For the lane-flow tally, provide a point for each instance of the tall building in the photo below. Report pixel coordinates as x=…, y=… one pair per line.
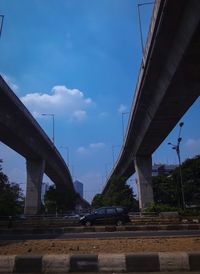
x=79, y=187
x=44, y=188
x=162, y=169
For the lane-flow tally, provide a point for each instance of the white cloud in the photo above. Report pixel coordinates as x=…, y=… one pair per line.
x=82, y=150
x=10, y=81
x=97, y=145
x=80, y=115
x=93, y=147
x=103, y=115
x=122, y=108
x=62, y=100
x=192, y=146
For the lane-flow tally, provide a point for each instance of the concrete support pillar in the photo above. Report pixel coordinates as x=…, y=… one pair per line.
x=143, y=167
x=35, y=171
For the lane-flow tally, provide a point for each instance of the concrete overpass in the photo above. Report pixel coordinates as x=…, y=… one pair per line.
x=20, y=131
x=168, y=84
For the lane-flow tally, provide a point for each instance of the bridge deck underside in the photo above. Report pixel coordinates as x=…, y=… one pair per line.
x=20, y=131
x=170, y=83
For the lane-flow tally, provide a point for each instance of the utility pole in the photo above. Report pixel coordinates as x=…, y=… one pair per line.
x=1, y=23
x=177, y=149
x=53, y=124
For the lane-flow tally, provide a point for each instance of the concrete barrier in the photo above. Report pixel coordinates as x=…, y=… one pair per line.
x=7, y=264
x=82, y=229
x=112, y=262
x=134, y=262
x=56, y=264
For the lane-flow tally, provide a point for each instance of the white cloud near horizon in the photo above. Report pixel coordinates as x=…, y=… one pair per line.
x=82, y=150
x=122, y=108
x=192, y=146
x=97, y=145
x=11, y=82
x=91, y=148
x=62, y=100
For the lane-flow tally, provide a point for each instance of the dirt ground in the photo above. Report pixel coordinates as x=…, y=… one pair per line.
x=41, y=247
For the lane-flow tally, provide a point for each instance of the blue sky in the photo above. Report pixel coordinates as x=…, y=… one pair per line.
x=80, y=59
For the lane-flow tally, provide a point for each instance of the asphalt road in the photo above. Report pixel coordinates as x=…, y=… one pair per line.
x=185, y=272
x=102, y=235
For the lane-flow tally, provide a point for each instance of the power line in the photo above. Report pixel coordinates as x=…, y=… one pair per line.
x=1, y=23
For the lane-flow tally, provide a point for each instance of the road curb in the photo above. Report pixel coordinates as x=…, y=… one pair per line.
x=130, y=262
x=99, y=229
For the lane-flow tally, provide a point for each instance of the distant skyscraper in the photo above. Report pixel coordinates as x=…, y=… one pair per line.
x=79, y=187
x=45, y=187
x=162, y=169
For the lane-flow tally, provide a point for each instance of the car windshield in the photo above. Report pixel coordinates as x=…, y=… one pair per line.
x=119, y=209
x=110, y=210
x=100, y=211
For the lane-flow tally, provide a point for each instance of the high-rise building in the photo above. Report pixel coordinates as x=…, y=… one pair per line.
x=162, y=169
x=45, y=187
x=79, y=187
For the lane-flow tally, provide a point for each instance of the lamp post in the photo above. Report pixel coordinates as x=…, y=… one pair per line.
x=177, y=149
x=113, y=153
x=52, y=115
x=67, y=149
x=1, y=23
x=140, y=24
x=123, y=113
x=106, y=169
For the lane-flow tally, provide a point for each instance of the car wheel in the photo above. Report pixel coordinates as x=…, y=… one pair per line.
x=88, y=223
x=119, y=222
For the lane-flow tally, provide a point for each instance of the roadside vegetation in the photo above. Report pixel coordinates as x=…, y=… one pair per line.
x=167, y=190
x=167, y=194
x=58, y=200
x=118, y=194
x=11, y=196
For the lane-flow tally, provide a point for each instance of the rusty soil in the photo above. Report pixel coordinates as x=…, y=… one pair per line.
x=91, y=246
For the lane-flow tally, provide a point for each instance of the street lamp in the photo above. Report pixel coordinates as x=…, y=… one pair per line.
x=67, y=149
x=123, y=113
x=52, y=115
x=1, y=23
x=177, y=149
x=140, y=24
x=106, y=169
x=113, y=153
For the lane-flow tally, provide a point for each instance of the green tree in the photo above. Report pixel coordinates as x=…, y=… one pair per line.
x=97, y=201
x=59, y=199
x=11, y=196
x=118, y=194
x=167, y=190
x=191, y=180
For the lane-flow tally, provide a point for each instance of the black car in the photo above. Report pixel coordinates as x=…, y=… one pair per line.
x=106, y=215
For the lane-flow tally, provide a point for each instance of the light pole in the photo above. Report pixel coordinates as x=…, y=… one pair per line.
x=67, y=149
x=177, y=149
x=106, y=169
x=123, y=113
x=113, y=153
x=52, y=115
x=140, y=24
x=1, y=23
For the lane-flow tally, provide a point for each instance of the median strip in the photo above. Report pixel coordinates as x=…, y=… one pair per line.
x=131, y=262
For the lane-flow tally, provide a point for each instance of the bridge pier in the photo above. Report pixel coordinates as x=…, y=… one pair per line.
x=35, y=171
x=143, y=167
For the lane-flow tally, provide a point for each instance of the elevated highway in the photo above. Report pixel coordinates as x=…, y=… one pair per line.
x=168, y=84
x=20, y=131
